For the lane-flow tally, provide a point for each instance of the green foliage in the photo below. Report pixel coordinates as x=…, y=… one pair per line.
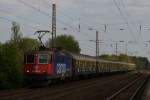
x=10, y=70
x=11, y=61
x=28, y=44
x=68, y=43
x=11, y=58
x=1, y=48
x=141, y=62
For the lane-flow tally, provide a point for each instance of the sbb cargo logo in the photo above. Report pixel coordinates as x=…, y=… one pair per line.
x=61, y=68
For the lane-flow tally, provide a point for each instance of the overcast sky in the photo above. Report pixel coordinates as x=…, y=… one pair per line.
x=122, y=18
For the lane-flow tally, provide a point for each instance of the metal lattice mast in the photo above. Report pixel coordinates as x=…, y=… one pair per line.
x=97, y=44
x=97, y=50
x=53, y=24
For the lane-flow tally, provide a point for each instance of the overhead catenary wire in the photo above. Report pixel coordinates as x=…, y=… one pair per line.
x=78, y=28
x=48, y=15
x=75, y=18
x=62, y=22
x=74, y=29
x=128, y=15
x=79, y=24
x=43, y=12
x=40, y=11
x=139, y=25
x=23, y=18
x=37, y=9
x=139, y=29
x=121, y=13
x=11, y=20
x=126, y=21
x=69, y=17
x=126, y=12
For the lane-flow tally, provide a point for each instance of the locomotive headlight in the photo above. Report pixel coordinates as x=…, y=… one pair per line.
x=28, y=71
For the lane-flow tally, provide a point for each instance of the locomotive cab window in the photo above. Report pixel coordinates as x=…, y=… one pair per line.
x=30, y=59
x=43, y=59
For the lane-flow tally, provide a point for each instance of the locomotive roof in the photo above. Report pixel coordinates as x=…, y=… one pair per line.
x=38, y=52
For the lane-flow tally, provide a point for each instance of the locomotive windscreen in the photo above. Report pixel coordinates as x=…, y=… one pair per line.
x=30, y=59
x=43, y=59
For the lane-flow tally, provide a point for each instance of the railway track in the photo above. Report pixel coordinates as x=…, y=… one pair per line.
x=75, y=90
x=79, y=93
x=132, y=90
x=14, y=92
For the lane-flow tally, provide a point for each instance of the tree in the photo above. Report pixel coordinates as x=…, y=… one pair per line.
x=0, y=48
x=11, y=61
x=10, y=67
x=16, y=33
x=27, y=44
x=67, y=42
x=141, y=62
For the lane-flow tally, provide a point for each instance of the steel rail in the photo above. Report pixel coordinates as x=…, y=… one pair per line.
x=122, y=89
x=139, y=88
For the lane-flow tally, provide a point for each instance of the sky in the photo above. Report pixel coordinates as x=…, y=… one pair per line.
x=122, y=19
